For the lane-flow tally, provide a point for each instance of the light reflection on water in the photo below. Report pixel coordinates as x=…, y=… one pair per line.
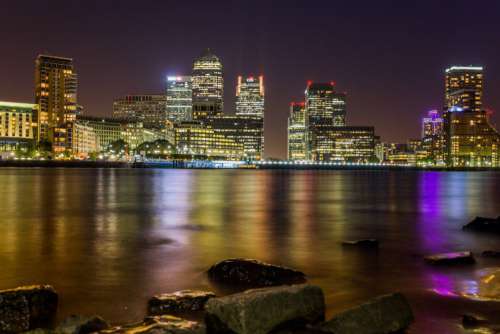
x=108, y=239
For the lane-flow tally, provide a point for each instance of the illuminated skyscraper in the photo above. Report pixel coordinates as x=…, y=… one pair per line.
x=432, y=137
x=297, y=144
x=464, y=87
x=208, y=86
x=55, y=92
x=250, y=96
x=324, y=107
x=470, y=139
x=179, y=98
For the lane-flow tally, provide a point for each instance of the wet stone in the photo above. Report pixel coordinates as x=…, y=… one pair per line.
x=179, y=302
x=482, y=224
x=382, y=315
x=465, y=257
x=260, y=311
x=362, y=243
x=253, y=273
x=165, y=324
x=28, y=307
x=79, y=324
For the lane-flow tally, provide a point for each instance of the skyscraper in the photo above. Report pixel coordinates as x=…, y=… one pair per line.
x=324, y=107
x=470, y=139
x=55, y=92
x=151, y=110
x=297, y=145
x=179, y=98
x=432, y=137
x=464, y=88
x=250, y=96
x=208, y=86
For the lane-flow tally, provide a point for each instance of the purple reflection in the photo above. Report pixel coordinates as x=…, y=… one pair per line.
x=430, y=210
x=443, y=285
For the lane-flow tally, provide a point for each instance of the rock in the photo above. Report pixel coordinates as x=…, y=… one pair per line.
x=14, y=313
x=471, y=321
x=253, y=273
x=363, y=243
x=27, y=307
x=78, y=324
x=482, y=224
x=465, y=257
x=259, y=311
x=159, y=325
x=179, y=302
x=382, y=315
x=489, y=253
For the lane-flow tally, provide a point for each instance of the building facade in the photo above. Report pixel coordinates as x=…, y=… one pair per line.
x=296, y=134
x=343, y=144
x=85, y=141
x=208, y=86
x=196, y=140
x=250, y=96
x=56, y=86
x=151, y=110
x=464, y=87
x=106, y=130
x=18, y=125
x=245, y=130
x=470, y=139
x=179, y=99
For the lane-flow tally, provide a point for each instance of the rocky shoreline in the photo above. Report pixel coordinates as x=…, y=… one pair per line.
x=278, y=300
x=272, y=299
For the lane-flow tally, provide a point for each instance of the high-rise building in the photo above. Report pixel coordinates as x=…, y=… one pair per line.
x=151, y=110
x=55, y=93
x=250, y=96
x=179, y=98
x=18, y=125
x=470, y=139
x=208, y=86
x=297, y=143
x=464, y=87
x=324, y=107
x=432, y=137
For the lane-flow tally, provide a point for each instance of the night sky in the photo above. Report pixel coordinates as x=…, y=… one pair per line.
x=389, y=56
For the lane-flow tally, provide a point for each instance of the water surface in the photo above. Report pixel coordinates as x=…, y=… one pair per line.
x=108, y=239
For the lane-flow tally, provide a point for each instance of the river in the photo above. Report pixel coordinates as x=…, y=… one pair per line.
x=108, y=239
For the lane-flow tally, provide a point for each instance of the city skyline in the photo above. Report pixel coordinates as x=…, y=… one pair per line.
x=413, y=84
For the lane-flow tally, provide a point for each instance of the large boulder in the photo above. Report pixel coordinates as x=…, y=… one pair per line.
x=14, y=313
x=482, y=224
x=253, y=273
x=259, y=311
x=27, y=307
x=179, y=302
x=465, y=257
x=159, y=325
x=79, y=324
x=383, y=315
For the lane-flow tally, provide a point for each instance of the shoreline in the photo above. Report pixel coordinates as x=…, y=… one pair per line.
x=210, y=165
